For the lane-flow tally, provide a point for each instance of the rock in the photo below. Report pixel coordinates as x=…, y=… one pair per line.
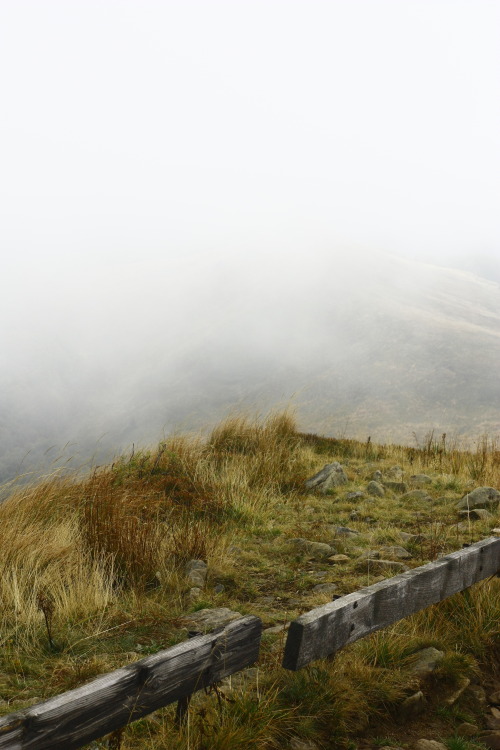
x=490, y=739
x=370, y=554
x=420, y=479
x=297, y=744
x=429, y=745
x=381, y=566
x=413, y=706
x=493, y=720
x=317, y=550
x=477, y=514
x=376, y=489
x=478, y=694
x=398, y=487
x=325, y=588
x=345, y=531
x=427, y=661
x=276, y=629
x=399, y=553
x=396, y=473
x=219, y=588
x=317, y=573
x=354, y=515
x=467, y=729
x=456, y=692
x=377, y=476
x=481, y=497
x=354, y=495
x=207, y=620
x=494, y=698
x=420, y=495
x=412, y=538
x=196, y=572
x=339, y=558
x=331, y=475
x=194, y=594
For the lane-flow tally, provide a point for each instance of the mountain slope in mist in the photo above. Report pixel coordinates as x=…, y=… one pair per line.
x=364, y=345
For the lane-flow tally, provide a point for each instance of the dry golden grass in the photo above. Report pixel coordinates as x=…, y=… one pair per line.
x=102, y=559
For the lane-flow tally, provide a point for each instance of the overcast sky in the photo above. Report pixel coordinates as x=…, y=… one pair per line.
x=154, y=129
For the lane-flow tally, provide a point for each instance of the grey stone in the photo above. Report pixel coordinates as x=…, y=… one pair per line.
x=377, y=476
x=194, y=593
x=494, y=697
x=219, y=588
x=317, y=550
x=396, y=473
x=207, y=620
x=345, y=531
x=477, y=514
x=427, y=661
x=375, y=488
x=478, y=694
x=398, y=487
x=331, y=475
x=456, y=692
x=395, y=552
x=196, y=572
x=276, y=629
x=354, y=495
x=481, y=497
x=325, y=588
x=412, y=538
x=420, y=495
x=421, y=479
x=413, y=706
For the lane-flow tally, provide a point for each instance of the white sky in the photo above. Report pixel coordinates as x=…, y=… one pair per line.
x=138, y=130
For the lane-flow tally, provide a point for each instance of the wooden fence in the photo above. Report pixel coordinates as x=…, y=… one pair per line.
x=112, y=701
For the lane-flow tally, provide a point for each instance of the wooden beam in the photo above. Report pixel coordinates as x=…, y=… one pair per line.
x=79, y=716
x=322, y=631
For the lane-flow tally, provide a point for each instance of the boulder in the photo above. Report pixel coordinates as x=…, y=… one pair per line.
x=331, y=475
x=375, y=489
x=481, y=497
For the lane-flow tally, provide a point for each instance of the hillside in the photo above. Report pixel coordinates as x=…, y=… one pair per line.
x=370, y=346
x=98, y=571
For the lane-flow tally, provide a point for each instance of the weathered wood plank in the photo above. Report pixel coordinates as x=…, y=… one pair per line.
x=79, y=716
x=322, y=631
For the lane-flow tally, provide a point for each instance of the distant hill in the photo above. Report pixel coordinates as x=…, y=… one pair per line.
x=360, y=346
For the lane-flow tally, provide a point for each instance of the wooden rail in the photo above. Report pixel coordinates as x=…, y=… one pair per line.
x=113, y=700
x=324, y=630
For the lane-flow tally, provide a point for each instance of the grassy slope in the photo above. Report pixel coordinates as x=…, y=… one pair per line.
x=104, y=557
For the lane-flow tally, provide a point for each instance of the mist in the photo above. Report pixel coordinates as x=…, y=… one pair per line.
x=216, y=206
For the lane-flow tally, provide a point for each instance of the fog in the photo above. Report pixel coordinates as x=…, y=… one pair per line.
x=210, y=205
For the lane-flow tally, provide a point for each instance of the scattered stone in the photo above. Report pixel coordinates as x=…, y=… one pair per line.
x=325, y=588
x=370, y=554
x=276, y=629
x=345, y=531
x=493, y=720
x=196, y=572
x=354, y=515
x=427, y=661
x=266, y=600
x=478, y=694
x=377, y=476
x=421, y=479
x=208, y=619
x=413, y=538
x=297, y=744
x=317, y=573
x=354, y=495
x=419, y=495
x=413, y=706
x=371, y=565
x=494, y=698
x=396, y=473
x=376, y=489
x=481, y=497
x=194, y=594
x=399, y=553
x=429, y=745
x=331, y=475
x=317, y=550
x=477, y=514
x=219, y=588
x=495, y=531
x=455, y=694
x=398, y=487
x=467, y=729
x=339, y=558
